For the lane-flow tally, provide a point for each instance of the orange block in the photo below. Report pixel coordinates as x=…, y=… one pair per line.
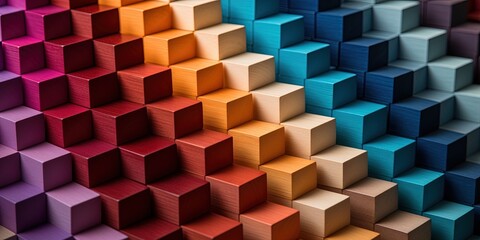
x=196, y=14
x=352, y=232
x=213, y=226
x=221, y=41
x=117, y=3
x=145, y=18
x=163, y=48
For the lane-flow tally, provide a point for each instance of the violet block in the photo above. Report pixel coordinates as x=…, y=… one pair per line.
x=101, y=232
x=23, y=54
x=45, y=232
x=45, y=89
x=9, y=166
x=12, y=22
x=27, y=4
x=21, y=128
x=11, y=90
x=46, y=166
x=48, y=22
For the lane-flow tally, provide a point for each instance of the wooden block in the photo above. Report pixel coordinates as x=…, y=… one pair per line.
x=419, y=73
x=213, y=226
x=367, y=12
x=48, y=22
x=193, y=15
x=423, y=44
x=271, y=221
x=477, y=219
x=357, y=54
x=14, y=21
x=226, y=108
x=278, y=31
x=161, y=48
x=331, y=90
x=144, y=18
x=44, y=89
x=153, y=229
x=470, y=129
x=446, y=14
x=352, y=232
x=181, y=198
x=304, y=60
x=117, y=3
x=101, y=232
x=450, y=220
x=407, y=16
x=10, y=166
x=256, y=142
x=21, y=128
x=388, y=85
x=322, y=213
x=275, y=52
x=7, y=234
x=248, y=24
x=73, y=208
x=466, y=103
x=95, y=21
x=404, y=226
x=71, y=4
x=248, y=71
x=196, y=77
x=148, y=159
x=45, y=231
x=450, y=73
x=343, y=24
x=69, y=54
x=11, y=90
x=175, y=117
x=23, y=54
x=252, y=9
x=145, y=83
x=446, y=101
x=117, y=52
x=464, y=40
x=461, y=183
x=26, y=4
x=124, y=202
x=220, y=41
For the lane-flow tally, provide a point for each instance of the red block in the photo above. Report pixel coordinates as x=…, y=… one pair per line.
x=153, y=229
x=145, y=83
x=205, y=152
x=12, y=22
x=95, y=21
x=72, y=3
x=87, y=87
x=23, y=55
x=95, y=162
x=27, y=4
x=148, y=159
x=213, y=226
x=117, y=52
x=180, y=198
x=68, y=54
x=124, y=202
x=68, y=124
x=47, y=22
x=44, y=89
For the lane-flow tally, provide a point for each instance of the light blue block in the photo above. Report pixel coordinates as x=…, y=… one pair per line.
x=291, y=80
x=423, y=44
x=253, y=9
x=318, y=110
x=225, y=8
x=467, y=103
x=304, y=60
x=392, y=40
x=451, y=221
x=248, y=28
x=450, y=73
x=331, y=90
x=366, y=8
x=419, y=73
x=396, y=16
x=446, y=101
x=278, y=31
x=471, y=129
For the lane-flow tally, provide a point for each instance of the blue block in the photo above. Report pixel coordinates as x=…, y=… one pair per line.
x=248, y=28
x=340, y=24
x=360, y=81
x=419, y=189
x=388, y=85
x=477, y=219
x=334, y=50
x=278, y=31
x=450, y=221
x=225, y=8
x=414, y=117
x=462, y=184
x=392, y=40
x=446, y=101
x=253, y=9
x=304, y=60
x=419, y=73
x=331, y=90
x=364, y=54
x=360, y=122
x=471, y=129
x=314, y=5
x=389, y=156
x=367, y=12
x=318, y=110
x=283, y=6
x=309, y=21
x=291, y=80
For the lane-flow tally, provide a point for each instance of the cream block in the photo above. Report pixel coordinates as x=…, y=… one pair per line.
x=220, y=41
x=248, y=71
x=195, y=14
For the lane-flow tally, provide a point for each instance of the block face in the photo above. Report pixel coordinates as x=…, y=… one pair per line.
x=452, y=14
x=278, y=31
x=23, y=54
x=21, y=128
x=159, y=48
x=458, y=71
x=69, y=54
x=464, y=40
x=47, y=231
x=44, y=89
x=253, y=10
x=419, y=73
x=11, y=90
x=25, y=5
x=12, y=22
x=423, y=44
x=70, y=4
x=48, y=22
x=220, y=41
x=405, y=15
x=340, y=24
x=153, y=228
x=248, y=71
x=144, y=18
x=358, y=54
x=117, y=3
x=450, y=220
x=351, y=231
x=304, y=60
x=203, y=228
x=192, y=15
x=116, y=52
x=338, y=89
x=100, y=232
x=471, y=129
x=446, y=101
x=465, y=103
x=94, y=21
x=404, y=225
x=9, y=165
x=388, y=85
x=462, y=184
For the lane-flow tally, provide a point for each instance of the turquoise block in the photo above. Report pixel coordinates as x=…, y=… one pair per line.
x=304, y=60
x=318, y=110
x=309, y=19
x=253, y=9
x=278, y=31
x=419, y=73
x=248, y=28
x=291, y=80
x=225, y=9
x=331, y=90
x=269, y=51
x=450, y=221
x=389, y=156
x=367, y=12
x=392, y=40
x=446, y=101
x=471, y=129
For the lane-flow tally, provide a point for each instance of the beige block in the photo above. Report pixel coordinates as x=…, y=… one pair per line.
x=195, y=14
x=6, y=234
x=221, y=41
x=163, y=48
x=248, y=71
x=117, y=3
x=402, y=225
x=145, y=18
x=352, y=232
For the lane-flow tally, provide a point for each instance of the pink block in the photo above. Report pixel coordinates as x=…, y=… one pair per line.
x=48, y=22
x=44, y=232
x=27, y=4
x=12, y=22
x=21, y=128
x=23, y=54
x=101, y=232
x=11, y=90
x=46, y=166
x=45, y=89
x=69, y=54
x=9, y=166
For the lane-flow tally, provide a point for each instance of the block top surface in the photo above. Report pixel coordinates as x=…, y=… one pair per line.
x=307, y=121
x=279, y=19
x=42, y=75
x=443, y=137
x=350, y=231
x=403, y=221
x=179, y=184
x=339, y=153
x=144, y=6
x=389, y=72
x=423, y=33
x=174, y=103
x=144, y=70
x=471, y=91
x=361, y=108
x=190, y=3
x=357, y=5
x=448, y=210
x=44, y=152
x=65, y=111
x=45, y=231
x=371, y=186
x=195, y=64
x=204, y=138
x=120, y=189
x=321, y=199
x=474, y=158
x=466, y=169
x=364, y=42
x=450, y=62
x=19, y=191
x=212, y=225
x=94, y=8
x=435, y=95
x=333, y=76
x=288, y=164
x=460, y=126
x=396, y=5
x=118, y=108
x=101, y=232
x=269, y=213
x=6, y=76
x=277, y=89
x=408, y=64
x=469, y=28
x=381, y=35
x=6, y=151
x=22, y=41
x=6, y=9
x=236, y=175
x=116, y=39
x=72, y=194
x=148, y=145
x=414, y=103
x=339, y=12
x=170, y=34
x=68, y=40
x=47, y=10
x=390, y=142
x=19, y=113
x=90, y=73
x=219, y=29
x=419, y=176
x=151, y=228
x=91, y=148
x=6, y=234
x=305, y=47
x=224, y=95
x=247, y=58
x=257, y=128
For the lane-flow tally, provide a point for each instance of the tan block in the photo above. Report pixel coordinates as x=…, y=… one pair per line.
x=352, y=232
x=6, y=234
x=145, y=18
x=248, y=71
x=402, y=225
x=196, y=14
x=117, y=3
x=163, y=48
x=221, y=41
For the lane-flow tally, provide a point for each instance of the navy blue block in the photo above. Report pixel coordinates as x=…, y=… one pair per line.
x=414, y=117
x=334, y=50
x=364, y=54
x=360, y=81
x=340, y=24
x=314, y=5
x=388, y=85
x=308, y=21
x=441, y=150
x=462, y=184
x=283, y=6
x=476, y=211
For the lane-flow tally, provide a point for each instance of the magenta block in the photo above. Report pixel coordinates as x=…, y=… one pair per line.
x=45, y=89
x=101, y=232
x=27, y=4
x=23, y=54
x=69, y=54
x=21, y=128
x=48, y=22
x=12, y=22
x=45, y=232
x=9, y=166
x=11, y=90
x=46, y=166
x=22, y=206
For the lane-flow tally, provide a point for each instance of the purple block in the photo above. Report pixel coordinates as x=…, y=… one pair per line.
x=45, y=89
x=45, y=232
x=48, y=22
x=23, y=54
x=21, y=127
x=46, y=166
x=101, y=232
x=9, y=166
x=27, y=4
x=74, y=208
x=12, y=22
x=464, y=40
x=11, y=90
x=22, y=206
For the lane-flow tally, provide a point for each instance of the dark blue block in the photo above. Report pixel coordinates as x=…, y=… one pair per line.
x=340, y=24
x=334, y=50
x=476, y=210
x=363, y=54
x=314, y=5
x=462, y=183
x=441, y=150
x=360, y=81
x=388, y=85
x=308, y=21
x=414, y=117
x=284, y=6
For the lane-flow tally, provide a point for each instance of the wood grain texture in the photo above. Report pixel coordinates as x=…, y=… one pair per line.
x=248, y=71
x=23, y=54
x=44, y=89
x=161, y=48
x=144, y=18
x=116, y=52
x=100, y=232
x=70, y=4
x=352, y=232
x=153, y=229
x=213, y=226
x=94, y=21
x=404, y=226
x=192, y=15
x=47, y=22
x=69, y=54
x=10, y=166
x=7, y=234
x=21, y=127
x=220, y=41
x=117, y=3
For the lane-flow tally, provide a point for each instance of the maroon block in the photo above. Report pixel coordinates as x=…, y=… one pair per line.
x=87, y=87
x=70, y=4
x=47, y=22
x=45, y=232
x=446, y=14
x=11, y=90
x=69, y=54
x=27, y=4
x=117, y=52
x=12, y=22
x=464, y=40
x=44, y=89
x=95, y=162
x=23, y=54
x=148, y=159
x=68, y=124
x=153, y=229
x=101, y=232
x=21, y=128
x=213, y=226
x=9, y=166
x=124, y=202
x=95, y=21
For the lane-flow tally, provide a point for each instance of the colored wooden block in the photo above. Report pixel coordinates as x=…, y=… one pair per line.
x=73, y=208
x=71, y=4
x=462, y=183
x=204, y=152
x=397, y=17
x=352, y=232
x=23, y=54
x=360, y=78
x=470, y=129
x=21, y=128
x=69, y=54
x=446, y=14
x=144, y=18
x=419, y=73
x=366, y=8
x=339, y=166
x=275, y=52
x=313, y=5
x=248, y=71
x=23, y=206
x=95, y=21
x=446, y=101
x=153, y=229
x=180, y=198
x=120, y=122
x=117, y=3
x=11, y=90
x=466, y=102
x=7, y=234
x=450, y=220
x=450, y=73
x=101, y=232
x=304, y=60
x=196, y=77
x=12, y=20
x=339, y=24
x=10, y=166
x=68, y=124
x=392, y=39
x=271, y=221
x=388, y=85
x=213, y=226
x=331, y=89
x=252, y=9
x=248, y=24
x=358, y=54
x=220, y=41
x=423, y=44
x=44, y=89
x=26, y=4
x=148, y=159
x=477, y=219
x=161, y=48
x=44, y=232
x=309, y=20
x=404, y=226
x=464, y=40
x=118, y=51
x=193, y=15
x=278, y=31
x=48, y=22
x=322, y=213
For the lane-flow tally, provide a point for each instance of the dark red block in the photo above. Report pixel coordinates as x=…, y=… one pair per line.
x=148, y=159
x=87, y=87
x=95, y=162
x=44, y=89
x=68, y=124
x=464, y=40
x=117, y=52
x=213, y=226
x=47, y=22
x=72, y=3
x=124, y=202
x=12, y=22
x=446, y=13
x=145, y=83
x=180, y=198
x=23, y=55
x=69, y=54
x=95, y=21
x=27, y=4
x=153, y=229
x=120, y=122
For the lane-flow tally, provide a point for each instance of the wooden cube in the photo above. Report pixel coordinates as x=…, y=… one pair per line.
x=13, y=21
x=193, y=15
x=70, y=4
x=117, y=3
x=7, y=234
x=464, y=40
x=407, y=16
x=252, y=9
x=44, y=89
x=213, y=226
x=69, y=54
x=352, y=232
x=419, y=73
x=101, y=232
x=338, y=88
x=10, y=166
x=462, y=183
x=48, y=22
x=423, y=44
x=450, y=73
x=470, y=129
x=144, y=18
x=278, y=31
x=161, y=48
x=466, y=103
x=404, y=226
x=220, y=41
x=21, y=128
x=11, y=90
x=47, y=231
x=23, y=54
x=451, y=220
x=153, y=229
x=27, y=4
x=117, y=52
x=304, y=60
x=446, y=14
x=446, y=101
x=248, y=71
x=95, y=21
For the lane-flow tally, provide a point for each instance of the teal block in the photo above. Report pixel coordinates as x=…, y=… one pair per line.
x=291, y=80
x=318, y=110
x=253, y=9
x=450, y=221
x=225, y=9
x=304, y=60
x=392, y=40
x=248, y=28
x=278, y=31
x=331, y=90
x=419, y=70
x=446, y=101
